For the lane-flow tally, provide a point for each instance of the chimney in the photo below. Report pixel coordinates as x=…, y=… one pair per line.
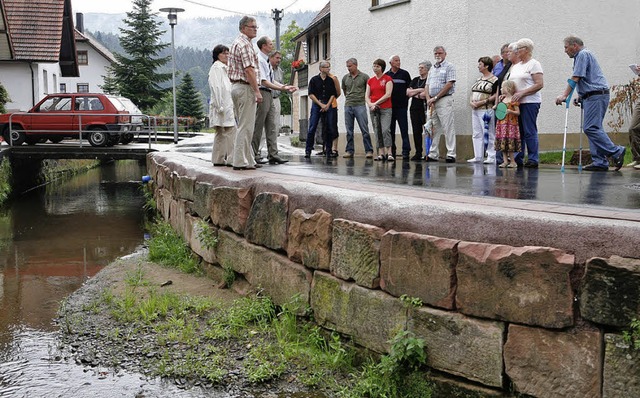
x=80, y=22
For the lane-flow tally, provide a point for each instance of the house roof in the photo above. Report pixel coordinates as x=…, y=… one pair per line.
x=319, y=21
x=6, y=50
x=95, y=44
x=42, y=31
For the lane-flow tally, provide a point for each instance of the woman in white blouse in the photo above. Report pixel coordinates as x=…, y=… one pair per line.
x=527, y=75
x=221, y=116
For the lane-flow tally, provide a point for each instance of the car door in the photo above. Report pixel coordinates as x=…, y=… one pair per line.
x=51, y=115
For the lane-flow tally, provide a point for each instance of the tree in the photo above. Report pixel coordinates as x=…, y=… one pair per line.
x=288, y=49
x=135, y=74
x=188, y=102
x=4, y=98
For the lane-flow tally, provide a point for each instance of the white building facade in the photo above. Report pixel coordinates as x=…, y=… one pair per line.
x=370, y=29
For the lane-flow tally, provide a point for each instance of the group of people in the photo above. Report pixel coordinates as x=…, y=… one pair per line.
x=245, y=86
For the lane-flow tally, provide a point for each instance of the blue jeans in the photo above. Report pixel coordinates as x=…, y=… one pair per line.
x=328, y=120
x=528, y=132
x=400, y=115
x=359, y=113
x=601, y=146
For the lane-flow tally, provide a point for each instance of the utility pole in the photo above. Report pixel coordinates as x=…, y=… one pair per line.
x=277, y=17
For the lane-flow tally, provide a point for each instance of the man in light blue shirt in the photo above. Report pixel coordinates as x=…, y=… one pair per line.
x=593, y=92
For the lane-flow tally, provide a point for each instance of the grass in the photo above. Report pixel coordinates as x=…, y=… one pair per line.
x=5, y=179
x=167, y=248
x=555, y=157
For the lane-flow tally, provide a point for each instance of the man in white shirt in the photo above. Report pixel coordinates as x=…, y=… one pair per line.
x=266, y=112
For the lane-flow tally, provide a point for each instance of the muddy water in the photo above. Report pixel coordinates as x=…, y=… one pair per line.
x=51, y=241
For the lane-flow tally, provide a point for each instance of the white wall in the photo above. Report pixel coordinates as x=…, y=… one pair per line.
x=91, y=74
x=16, y=77
x=470, y=29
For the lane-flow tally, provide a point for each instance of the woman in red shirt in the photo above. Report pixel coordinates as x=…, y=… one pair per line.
x=378, y=98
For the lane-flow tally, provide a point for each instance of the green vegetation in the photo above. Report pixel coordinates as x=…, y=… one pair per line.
x=295, y=141
x=555, y=157
x=188, y=100
x=206, y=235
x=168, y=249
x=5, y=179
x=63, y=169
x=632, y=336
x=228, y=276
x=4, y=98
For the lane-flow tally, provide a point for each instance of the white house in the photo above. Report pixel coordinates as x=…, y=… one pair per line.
x=94, y=59
x=37, y=49
x=313, y=45
x=370, y=29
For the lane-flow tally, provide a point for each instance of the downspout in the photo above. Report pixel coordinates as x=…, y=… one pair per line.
x=33, y=86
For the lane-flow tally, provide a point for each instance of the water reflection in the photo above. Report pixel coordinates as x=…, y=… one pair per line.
x=612, y=189
x=51, y=240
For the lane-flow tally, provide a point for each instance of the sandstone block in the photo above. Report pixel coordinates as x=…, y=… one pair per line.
x=280, y=278
x=546, y=363
x=528, y=285
x=611, y=291
x=309, y=240
x=459, y=345
x=163, y=202
x=177, y=215
x=371, y=317
x=419, y=266
x=621, y=369
x=267, y=221
x=163, y=177
x=201, y=206
x=230, y=208
x=184, y=186
x=198, y=234
x=355, y=252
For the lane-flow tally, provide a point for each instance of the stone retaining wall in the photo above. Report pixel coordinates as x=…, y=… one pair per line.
x=541, y=320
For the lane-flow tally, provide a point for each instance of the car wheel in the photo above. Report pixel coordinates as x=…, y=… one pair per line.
x=98, y=136
x=56, y=140
x=126, y=138
x=15, y=138
x=32, y=140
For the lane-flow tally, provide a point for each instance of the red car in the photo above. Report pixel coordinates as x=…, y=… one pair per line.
x=58, y=116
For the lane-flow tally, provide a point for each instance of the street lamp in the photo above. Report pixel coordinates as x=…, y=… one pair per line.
x=173, y=21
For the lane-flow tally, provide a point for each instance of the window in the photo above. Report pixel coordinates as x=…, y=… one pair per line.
x=325, y=46
x=88, y=104
x=314, y=48
x=83, y=58
x=83, y=88
x=56, y=104
x=45, y=81
x=378, y=4
x=63, y=87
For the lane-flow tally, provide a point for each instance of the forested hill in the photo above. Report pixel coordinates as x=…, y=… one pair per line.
x=195, y=38
x=200, y=33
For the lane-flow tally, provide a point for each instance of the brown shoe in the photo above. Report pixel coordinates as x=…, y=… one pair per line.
x=348, y=155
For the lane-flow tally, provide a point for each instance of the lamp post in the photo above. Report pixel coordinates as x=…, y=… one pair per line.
x=173, y=21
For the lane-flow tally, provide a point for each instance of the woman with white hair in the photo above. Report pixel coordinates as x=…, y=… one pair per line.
x=528, y=77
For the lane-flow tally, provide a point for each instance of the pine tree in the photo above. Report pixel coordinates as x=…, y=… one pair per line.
x=188, y=102
x=4, y=98
x=110, y=85
x=135, y=74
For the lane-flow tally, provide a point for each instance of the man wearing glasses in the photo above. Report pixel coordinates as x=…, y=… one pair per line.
x=244, y=75
x=440, y=85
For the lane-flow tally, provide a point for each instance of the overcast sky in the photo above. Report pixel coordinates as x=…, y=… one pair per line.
x=201, y=8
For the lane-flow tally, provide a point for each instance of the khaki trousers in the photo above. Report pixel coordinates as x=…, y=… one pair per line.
x=223, y=145
x=244, y=107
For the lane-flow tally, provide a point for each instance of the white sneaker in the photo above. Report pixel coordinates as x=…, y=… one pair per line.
x=474, y=160
x=633, y=164
x=489, y=161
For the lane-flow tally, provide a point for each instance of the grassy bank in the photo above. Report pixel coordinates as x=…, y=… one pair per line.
x=249, y=342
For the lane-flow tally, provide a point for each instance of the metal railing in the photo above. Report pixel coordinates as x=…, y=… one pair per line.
x=149, y=125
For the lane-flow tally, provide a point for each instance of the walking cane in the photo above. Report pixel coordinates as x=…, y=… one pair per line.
x=581, y=131
x=567, y=101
